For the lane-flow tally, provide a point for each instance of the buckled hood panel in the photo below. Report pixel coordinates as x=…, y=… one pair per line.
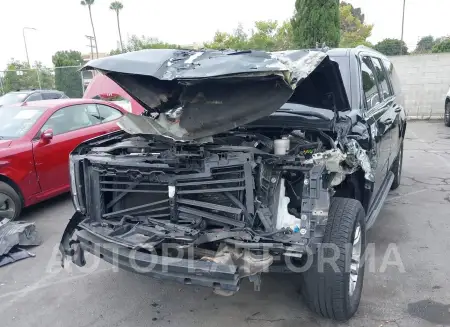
x=191, y=94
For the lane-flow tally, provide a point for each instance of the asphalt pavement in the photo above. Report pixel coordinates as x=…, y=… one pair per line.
x=406, y=282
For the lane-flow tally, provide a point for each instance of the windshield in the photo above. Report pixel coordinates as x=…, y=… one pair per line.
x=16, y=121
x=12, y=98
x=344, y=68
x=299, y=96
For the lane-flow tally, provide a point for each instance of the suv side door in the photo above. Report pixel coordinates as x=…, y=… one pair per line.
x=398, y=107
x=377, y=115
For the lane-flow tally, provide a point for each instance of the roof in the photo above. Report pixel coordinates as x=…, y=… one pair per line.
x=341, y=52
x=31, y=91
x=58, y=102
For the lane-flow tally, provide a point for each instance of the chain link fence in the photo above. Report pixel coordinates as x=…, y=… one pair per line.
x=67, y=79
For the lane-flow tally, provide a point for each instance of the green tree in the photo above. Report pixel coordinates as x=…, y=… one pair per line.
x=136, y=43
x=442, y=46
x=117, y=6
x=355, y=12
x=89, y=3
x=237, y=40
x=392, y=47
x=316, y=22
x=271, y=36
x=67, y=58
x=266, y=35
x=263, y=36
x=18, y=76
x=425, y=44
x=284, y=36
x=353, y=31
x=46, y=76
x=67, y=75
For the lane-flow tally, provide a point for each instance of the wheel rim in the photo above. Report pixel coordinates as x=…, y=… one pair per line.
x=400, y=163
x=447, y=113
x=356, y=260
x=7, y=207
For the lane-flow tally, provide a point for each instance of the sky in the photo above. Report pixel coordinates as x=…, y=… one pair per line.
x=63, y=24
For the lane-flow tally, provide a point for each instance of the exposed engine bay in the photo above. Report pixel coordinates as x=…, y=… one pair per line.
x=249, y=188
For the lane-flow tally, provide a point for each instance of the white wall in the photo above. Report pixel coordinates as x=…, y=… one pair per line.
x=425, y=82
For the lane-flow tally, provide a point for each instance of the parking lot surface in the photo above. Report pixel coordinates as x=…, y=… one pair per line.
x=414, y=226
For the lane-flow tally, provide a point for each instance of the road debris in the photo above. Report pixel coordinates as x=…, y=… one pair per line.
x=13, y=236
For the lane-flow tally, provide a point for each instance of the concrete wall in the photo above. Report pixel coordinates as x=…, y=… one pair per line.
x=425, y=82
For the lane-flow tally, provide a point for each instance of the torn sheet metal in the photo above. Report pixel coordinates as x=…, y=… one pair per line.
x=203, y=93
x=332, y=159
x=17, y=234
x=298, y=68
x=354, y=157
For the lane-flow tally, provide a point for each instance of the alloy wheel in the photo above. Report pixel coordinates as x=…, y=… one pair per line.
x=7, y=206
x=355, y=261
x=447, y=113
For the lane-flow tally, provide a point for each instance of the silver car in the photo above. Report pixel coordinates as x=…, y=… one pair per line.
x=447, y=110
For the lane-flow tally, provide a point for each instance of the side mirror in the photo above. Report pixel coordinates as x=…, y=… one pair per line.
x=47, y=135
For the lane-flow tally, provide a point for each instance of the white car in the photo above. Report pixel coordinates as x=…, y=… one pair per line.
x=447, y=110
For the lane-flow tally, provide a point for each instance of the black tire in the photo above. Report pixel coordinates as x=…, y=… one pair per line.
x=326, y=291
x=10, y=202
x=447, y=114
x=397, y=167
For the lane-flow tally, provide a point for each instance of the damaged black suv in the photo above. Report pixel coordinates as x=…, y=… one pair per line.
x=244, y=162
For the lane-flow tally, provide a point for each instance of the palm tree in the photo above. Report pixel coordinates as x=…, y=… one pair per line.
x=89, y=3
x=117, y=6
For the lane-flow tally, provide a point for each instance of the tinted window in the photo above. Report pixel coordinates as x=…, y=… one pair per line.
x=383, y=79
x=344, y=68
x=313, y=92
x=16, y=121
x=108, y=113
x=395, y=82
x=372, y=97
x=71, y=118
x=34, y=97
x=50, y=96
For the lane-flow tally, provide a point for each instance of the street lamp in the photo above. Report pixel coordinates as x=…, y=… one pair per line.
x=25, y=42
x=403, y=18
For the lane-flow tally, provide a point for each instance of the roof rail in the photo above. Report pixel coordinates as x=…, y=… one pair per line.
x=363, y=47
x=323, y=48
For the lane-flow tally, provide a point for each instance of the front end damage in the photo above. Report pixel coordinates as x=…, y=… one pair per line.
x=226, y=204
x=207, y=214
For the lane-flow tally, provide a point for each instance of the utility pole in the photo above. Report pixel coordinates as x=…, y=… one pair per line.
x=403, y=19
x=25, y=42
x=91, y=45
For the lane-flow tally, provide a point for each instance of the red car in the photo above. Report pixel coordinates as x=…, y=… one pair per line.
x=35, y=141
x=104, y=88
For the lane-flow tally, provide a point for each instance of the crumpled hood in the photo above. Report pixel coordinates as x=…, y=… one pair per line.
x=191, y=94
